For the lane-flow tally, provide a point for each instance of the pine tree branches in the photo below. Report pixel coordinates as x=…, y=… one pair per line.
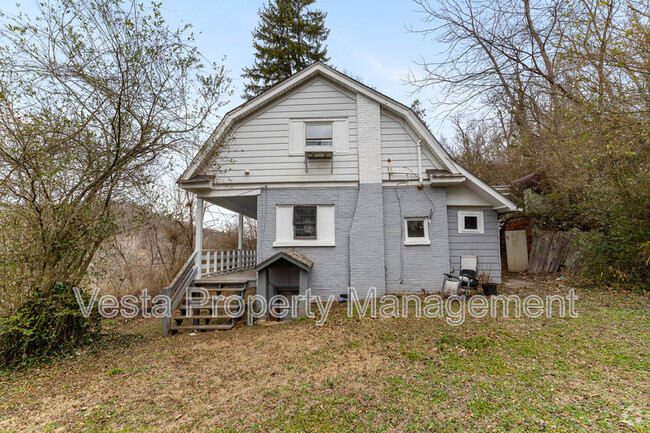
x=288, y=38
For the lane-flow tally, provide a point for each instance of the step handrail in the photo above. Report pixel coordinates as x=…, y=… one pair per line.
x=177, y=288
x=223, y=261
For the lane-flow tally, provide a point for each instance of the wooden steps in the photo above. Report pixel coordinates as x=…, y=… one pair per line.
x=221, y=327
x=207, y=304
x=202, y=316
x=220, y=272
x=203, y=319
x=211, y=288
x=182, y=309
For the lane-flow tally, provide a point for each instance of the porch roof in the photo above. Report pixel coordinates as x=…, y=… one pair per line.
x=246, y=205
x=239, y=200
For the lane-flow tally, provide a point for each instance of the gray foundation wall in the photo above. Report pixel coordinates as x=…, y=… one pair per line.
x=411, y=268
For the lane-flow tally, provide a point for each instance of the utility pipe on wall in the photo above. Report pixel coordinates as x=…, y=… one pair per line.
x=420, y=182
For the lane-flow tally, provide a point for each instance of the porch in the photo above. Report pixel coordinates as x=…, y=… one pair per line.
x=225, y=261
x=228, y=272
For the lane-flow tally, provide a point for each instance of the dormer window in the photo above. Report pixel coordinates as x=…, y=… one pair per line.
x=318, y=134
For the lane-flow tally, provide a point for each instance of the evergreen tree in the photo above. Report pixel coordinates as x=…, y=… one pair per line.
x=288, y=38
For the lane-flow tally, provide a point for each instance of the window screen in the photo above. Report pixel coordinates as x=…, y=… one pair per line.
x=304, y=222
x=318, y=134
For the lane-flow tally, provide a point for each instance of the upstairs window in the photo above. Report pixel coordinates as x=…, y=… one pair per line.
x=304, y=222
x=417, y=231
x=470, y=221
x=318, y=134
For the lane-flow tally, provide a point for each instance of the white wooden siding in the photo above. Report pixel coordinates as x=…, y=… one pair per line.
x=462, y=196
x=260, y=144
x=399, y=145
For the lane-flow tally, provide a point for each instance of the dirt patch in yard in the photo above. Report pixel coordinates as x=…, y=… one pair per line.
x=403, y=374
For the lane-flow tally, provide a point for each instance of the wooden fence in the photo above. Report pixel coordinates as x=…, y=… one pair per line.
x=553, y=252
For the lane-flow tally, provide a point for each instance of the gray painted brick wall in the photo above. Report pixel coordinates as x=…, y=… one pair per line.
x=380, y=257
x=410, y=268
x=330, y=274
x=485, y=246
x=367, y=241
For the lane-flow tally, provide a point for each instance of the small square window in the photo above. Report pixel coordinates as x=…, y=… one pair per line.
x=470, y=221
x=415, y=228
x=318, y=134
x=304, y=222
x=417, y=231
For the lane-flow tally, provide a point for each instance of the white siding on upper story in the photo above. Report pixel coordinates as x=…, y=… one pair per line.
x=461, y=195
x=399, y=145
x=260, y=143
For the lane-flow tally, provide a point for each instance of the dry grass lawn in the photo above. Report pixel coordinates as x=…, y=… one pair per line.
x=404, y=374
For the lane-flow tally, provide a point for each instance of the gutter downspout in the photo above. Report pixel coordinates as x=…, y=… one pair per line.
x=420, y=181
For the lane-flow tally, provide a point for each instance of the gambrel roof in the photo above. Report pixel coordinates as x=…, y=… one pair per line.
x=450, y=167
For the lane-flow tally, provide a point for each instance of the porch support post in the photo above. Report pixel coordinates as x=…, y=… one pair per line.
x=198, y=238
x=240, y=242
x=240, y=234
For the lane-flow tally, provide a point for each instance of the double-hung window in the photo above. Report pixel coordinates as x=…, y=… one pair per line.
x=318, y=134
x=305, y=225
x=304, y=222
x=319, y=138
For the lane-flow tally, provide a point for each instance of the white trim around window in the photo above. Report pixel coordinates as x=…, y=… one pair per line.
x=470, y=222
x=417, y=240
x=284, y=227
x=340, y=135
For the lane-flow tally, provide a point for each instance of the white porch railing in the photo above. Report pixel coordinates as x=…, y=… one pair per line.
x=217, y=262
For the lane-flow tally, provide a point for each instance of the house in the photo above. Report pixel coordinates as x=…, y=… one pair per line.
x=348, y=178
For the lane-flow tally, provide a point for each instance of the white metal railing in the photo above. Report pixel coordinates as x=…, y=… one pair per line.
x=216, y=262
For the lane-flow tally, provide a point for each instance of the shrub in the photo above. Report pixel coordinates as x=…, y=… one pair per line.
x=615, y=251
x=49, y=323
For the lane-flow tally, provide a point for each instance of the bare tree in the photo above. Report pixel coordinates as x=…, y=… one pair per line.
x=563, y=86
x=500, y=54
x=95, y=96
